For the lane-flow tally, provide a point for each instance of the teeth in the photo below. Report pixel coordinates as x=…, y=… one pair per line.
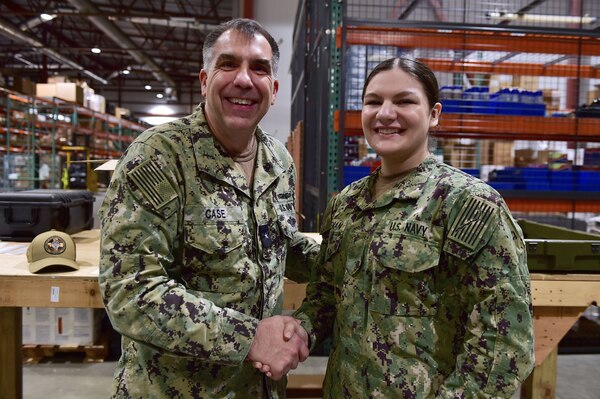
x=387, y=131
x=241, y=101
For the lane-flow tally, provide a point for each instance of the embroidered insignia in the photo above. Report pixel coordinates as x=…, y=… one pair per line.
x=153, y=183
x=472, y=221
x=55, y=245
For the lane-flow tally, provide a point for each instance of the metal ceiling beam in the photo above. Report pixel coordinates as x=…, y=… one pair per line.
x=13, y=32
x=112, y=31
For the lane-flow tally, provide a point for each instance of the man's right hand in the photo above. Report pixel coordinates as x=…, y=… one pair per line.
x=280, y=343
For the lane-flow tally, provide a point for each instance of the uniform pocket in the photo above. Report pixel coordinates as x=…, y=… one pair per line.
x=404, y=276
x=213, y=258
x=216, y=239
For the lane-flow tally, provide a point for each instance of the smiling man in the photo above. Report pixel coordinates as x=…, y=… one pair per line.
x=198, y=229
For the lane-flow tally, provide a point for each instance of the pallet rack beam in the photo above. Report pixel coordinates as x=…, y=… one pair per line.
x=498, y=127
x=553, y=204
x=467, y=40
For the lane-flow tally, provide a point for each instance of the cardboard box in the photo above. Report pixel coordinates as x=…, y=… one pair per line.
x=19, y=84
x=120, y=112
x=70, y=92
x=61, y=326
x=58, y=79
x=462, y=156
x=65, y=91
x=497, y=152
x=525, y=157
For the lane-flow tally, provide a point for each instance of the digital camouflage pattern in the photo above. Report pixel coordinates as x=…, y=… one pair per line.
x=192, y=258
x=425, y=291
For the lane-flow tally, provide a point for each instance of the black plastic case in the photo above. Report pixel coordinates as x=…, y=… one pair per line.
x=25, y=214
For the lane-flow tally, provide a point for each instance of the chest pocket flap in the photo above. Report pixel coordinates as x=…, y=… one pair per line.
x=404, y=275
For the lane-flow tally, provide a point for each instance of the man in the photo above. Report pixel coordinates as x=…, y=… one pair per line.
x=198, y=226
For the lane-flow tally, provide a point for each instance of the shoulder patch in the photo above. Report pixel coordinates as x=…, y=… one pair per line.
x=472, y=222
x=152, y=183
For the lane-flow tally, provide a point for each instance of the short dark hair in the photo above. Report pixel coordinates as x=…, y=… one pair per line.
x=248, y=28
x=416, y=69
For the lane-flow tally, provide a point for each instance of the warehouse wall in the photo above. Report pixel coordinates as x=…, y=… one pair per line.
x=278, y=18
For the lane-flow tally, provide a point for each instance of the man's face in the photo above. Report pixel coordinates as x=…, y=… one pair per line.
x=239, y=86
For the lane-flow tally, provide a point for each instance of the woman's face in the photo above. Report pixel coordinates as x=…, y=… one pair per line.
x=396, y=117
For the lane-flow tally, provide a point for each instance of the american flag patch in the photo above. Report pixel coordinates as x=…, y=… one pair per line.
x=153, y=183
x=472, y=222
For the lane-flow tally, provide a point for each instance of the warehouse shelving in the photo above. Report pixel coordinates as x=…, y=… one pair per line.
x=497, y=127
x=36, y=131
x=457, y=41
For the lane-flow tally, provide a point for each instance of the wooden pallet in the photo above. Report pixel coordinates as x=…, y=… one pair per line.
x=34, y=354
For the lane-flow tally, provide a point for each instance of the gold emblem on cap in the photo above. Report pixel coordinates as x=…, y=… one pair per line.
x=55, y=245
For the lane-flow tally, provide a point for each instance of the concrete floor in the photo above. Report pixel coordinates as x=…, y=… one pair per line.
x=578, y=378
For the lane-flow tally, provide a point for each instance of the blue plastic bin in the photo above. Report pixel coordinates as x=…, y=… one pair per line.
x=563, y=180
x=588, y=181
x=536, y=179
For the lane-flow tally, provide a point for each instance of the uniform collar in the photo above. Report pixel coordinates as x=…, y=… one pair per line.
x=212, y=159
x=411, y=187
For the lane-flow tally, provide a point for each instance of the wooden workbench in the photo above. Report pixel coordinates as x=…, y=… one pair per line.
x=558, y=300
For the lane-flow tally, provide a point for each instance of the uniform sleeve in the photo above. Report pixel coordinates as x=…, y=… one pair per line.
x=497, y=352
x=302, y=258
x=140, y=234
x=317, y=311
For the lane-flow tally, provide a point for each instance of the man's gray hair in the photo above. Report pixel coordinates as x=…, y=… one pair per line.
x=246, y=27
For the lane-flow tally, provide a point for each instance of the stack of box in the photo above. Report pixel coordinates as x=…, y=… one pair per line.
x=61, y=326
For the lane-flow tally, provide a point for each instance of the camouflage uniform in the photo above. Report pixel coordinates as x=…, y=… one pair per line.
x=425, y=291
x=192, y=258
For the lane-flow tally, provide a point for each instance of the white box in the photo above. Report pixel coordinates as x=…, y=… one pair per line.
x=61, y=326
x=98, y=103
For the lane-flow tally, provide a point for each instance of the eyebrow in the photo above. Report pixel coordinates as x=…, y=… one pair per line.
x=402, y=93
x=232, y=57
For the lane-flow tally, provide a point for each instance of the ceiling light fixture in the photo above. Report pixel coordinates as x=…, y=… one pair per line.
x=96, y=50
x=148, y=87
x=125, y=71
x=47, y=17
x=540, y=18
x=159, y=95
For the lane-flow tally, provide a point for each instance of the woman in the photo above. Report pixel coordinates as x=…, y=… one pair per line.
x=423, y=282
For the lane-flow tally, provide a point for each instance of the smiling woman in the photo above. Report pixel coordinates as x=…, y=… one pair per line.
x=418, y=262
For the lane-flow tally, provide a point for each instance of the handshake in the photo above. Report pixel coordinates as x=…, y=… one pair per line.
x=279, y=345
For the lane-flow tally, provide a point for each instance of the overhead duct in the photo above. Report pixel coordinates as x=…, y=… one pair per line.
x=13, y=32
x=189, y=23
x=117, y=36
